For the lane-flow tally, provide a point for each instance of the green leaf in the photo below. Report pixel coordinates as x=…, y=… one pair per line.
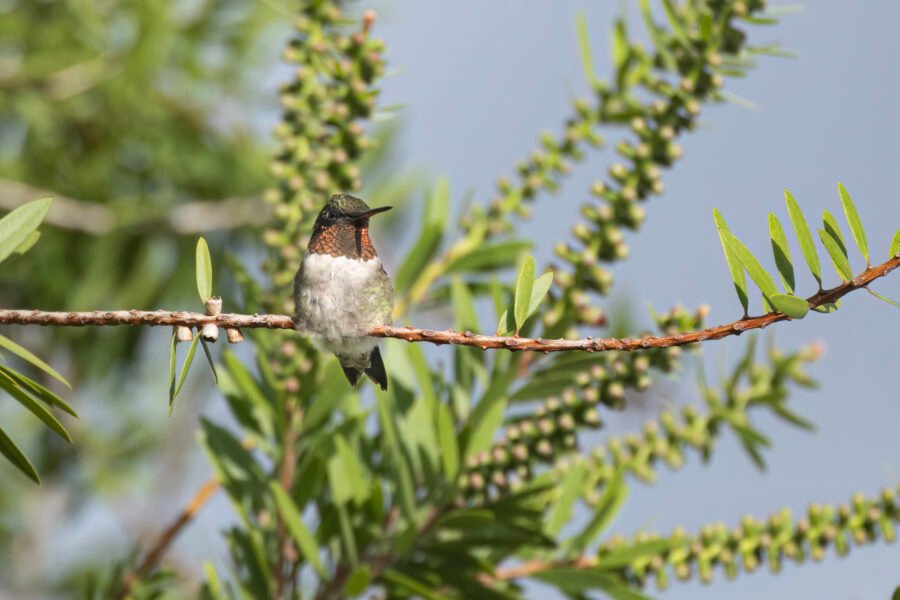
x=9, y=449
x=614, y=495
x=204, y=270
x=213, y=586
x=184, y=370
x=434, y=222
x=838, y=256
x=828, y=308
x=304, y=539
x=26, y=355
x=403, y=477
x=172, y=366
x=792, y=306
x=856, y=227
x=757, y=273
x=801, y=229
x=17, y=226
x=896, y=594
x=506, y=324
x=358, y=582
x=622, y=557
x=541, y=287
x=33, y=406
x=584, y=46
x=38, y=390
x=570, y=489
x=29, y=243
x=832, y=228
x=676, y=24
x=885, y=298
x=575, y=580
x=524, y=287
x=410, y=585
x=620, y=48
x=488, y=257
x=734, y=265
x=209, y=359
x=488, y=414
x=346, y=475
x=448, y=441
x=895, y=244
x=782, y=253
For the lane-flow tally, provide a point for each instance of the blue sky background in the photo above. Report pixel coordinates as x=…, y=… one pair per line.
x=479, y=81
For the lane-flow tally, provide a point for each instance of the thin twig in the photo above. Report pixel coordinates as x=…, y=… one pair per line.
x=288, y=466
x=412, y=334
x=168, y=536
x=530, y=567
x=95, y=218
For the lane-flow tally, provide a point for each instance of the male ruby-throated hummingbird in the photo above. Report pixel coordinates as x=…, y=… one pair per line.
x=341, y=290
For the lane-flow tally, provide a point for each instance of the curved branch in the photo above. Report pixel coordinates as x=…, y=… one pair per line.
x=449, y=336
x=166, y=538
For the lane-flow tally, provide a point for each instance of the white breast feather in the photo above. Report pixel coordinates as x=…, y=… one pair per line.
x=329, y=307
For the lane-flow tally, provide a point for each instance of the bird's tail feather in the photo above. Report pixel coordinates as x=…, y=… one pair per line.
x=375, y=371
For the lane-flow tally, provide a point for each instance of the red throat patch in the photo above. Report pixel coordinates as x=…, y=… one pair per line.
x=343, y=239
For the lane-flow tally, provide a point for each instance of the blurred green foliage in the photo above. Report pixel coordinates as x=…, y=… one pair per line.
x=134, y=107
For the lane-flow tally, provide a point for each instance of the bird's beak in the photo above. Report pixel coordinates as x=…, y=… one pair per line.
x=365, y=214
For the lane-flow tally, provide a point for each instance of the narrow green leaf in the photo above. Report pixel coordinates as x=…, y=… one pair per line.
x=676, y=24
x=352, y=479
x=304, y=539
x=434, y=222
x=506, y=324
x=33, y=406
x=9, y=449
x=895, y=245
x=885, y=298
x=29, y=243
x=614, y=495
x=18, y=225
x=213, y=584
x=358, y=582
x=38, y=390
x=347, y=535
x=782, y=253
x=524, y=287
x=896, y=594
x=838, y=256
x=402, y=474
x=410, y=585
x=834, y=230
x=786, y=414
x=204, y=270
x=584, y=46
x=828, y=308
x=448, y=441
x=757, y=273
x=172, y=367
x=488, y=257
x=26, y=355
x=622, y=557
x=792, y=306
x=804, y=237
x=184, y=370
x=541, y=287
x=620, y=48
x=561, y=511
x=734, y=264
x=209, y=359
x=856, y=227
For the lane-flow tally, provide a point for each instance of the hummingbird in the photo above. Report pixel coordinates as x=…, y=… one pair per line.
x=341, y=290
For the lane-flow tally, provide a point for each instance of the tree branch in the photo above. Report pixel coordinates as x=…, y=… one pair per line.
x=168, y=536
x=94, y=218
x=412, y=334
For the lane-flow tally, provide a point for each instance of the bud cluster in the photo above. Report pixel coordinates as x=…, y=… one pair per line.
x=320, y=134
x=657, y=95
x=550, y=435
x=321, y=137
x=757, y=542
